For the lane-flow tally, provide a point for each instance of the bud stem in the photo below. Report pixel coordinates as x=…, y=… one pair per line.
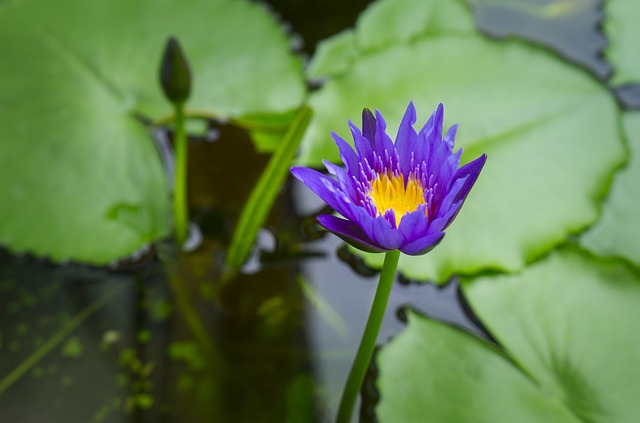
x=180, y=211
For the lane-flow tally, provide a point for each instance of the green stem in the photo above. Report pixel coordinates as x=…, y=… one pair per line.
x=180, y=213
x=368, y=342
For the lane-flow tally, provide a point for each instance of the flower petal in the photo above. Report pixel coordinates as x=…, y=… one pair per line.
x=368, y=125
x=324, y=187
x=350, y=232
x=406, y=140
x=414, y=225
x=384, y=144
x=364, y=147
x=444, y=176
x=422, y=245
x=348, y=156
x=450, y=138
x=433, y=127
x=385, y=235
x=470, y=171
x=344, y=179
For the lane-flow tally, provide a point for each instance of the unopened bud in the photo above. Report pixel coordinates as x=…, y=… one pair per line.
x=175, y=76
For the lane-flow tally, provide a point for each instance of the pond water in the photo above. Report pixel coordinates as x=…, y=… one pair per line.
x=164, y=337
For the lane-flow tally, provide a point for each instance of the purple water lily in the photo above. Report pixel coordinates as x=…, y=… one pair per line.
x=394, y=196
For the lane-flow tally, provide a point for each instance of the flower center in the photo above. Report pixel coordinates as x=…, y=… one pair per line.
x=388, y=192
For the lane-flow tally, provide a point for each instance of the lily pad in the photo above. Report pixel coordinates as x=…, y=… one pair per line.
x=621, y=27
x=567, y=326
x=81, y=177
x=570, y=320
x=617, y=233
x=433, y=372
x=550, y=132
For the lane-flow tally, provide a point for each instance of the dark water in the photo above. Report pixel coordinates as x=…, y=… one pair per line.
x=161, y=339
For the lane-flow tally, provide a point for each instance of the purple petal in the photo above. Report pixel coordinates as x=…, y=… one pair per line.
x=458, y=194
x=350, y=232
x=440, y=153
x=406, y=139
x=422, y=245
x=450, y=138
x=368, y=125
x=444, y=176
x=442, y=222
x=422, y=149
x=470, y=171
x=433, y=127
x=346, y=182
x=348, y=156
x=385, y=235
x=324, y=187
x=413, y=225
x=383, y=141
x=364, y=147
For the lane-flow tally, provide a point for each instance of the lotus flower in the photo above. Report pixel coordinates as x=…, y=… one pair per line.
x=394, y=196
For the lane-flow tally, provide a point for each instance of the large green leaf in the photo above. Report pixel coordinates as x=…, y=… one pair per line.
x=434, y=373
x=623, y=32
x=81, y=178
x=569, y=322
x=550, y=132
x=618, y=231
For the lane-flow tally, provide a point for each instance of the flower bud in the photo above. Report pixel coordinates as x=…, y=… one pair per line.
x=175, y=76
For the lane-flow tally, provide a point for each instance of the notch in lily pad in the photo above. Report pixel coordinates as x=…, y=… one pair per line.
x=175, y=73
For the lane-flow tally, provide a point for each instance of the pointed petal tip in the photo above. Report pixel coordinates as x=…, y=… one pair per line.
x=295, y=171
x=410, y=113
x=368, y=118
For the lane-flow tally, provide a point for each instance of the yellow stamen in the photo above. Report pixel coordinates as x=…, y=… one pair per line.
x=388, y=192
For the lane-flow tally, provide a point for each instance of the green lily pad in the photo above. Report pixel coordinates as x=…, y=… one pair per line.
x=550, y=132
x=570, y=320
x=621, y=27
x=617, y=233
x=568, y=328
x=432, y=372
x=81, y=177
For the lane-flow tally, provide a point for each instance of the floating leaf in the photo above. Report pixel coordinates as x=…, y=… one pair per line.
x=570, y=320
x=82, y=179
x=618, y=231
x=550, y=132
x=567, y=325
x=436, y=373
